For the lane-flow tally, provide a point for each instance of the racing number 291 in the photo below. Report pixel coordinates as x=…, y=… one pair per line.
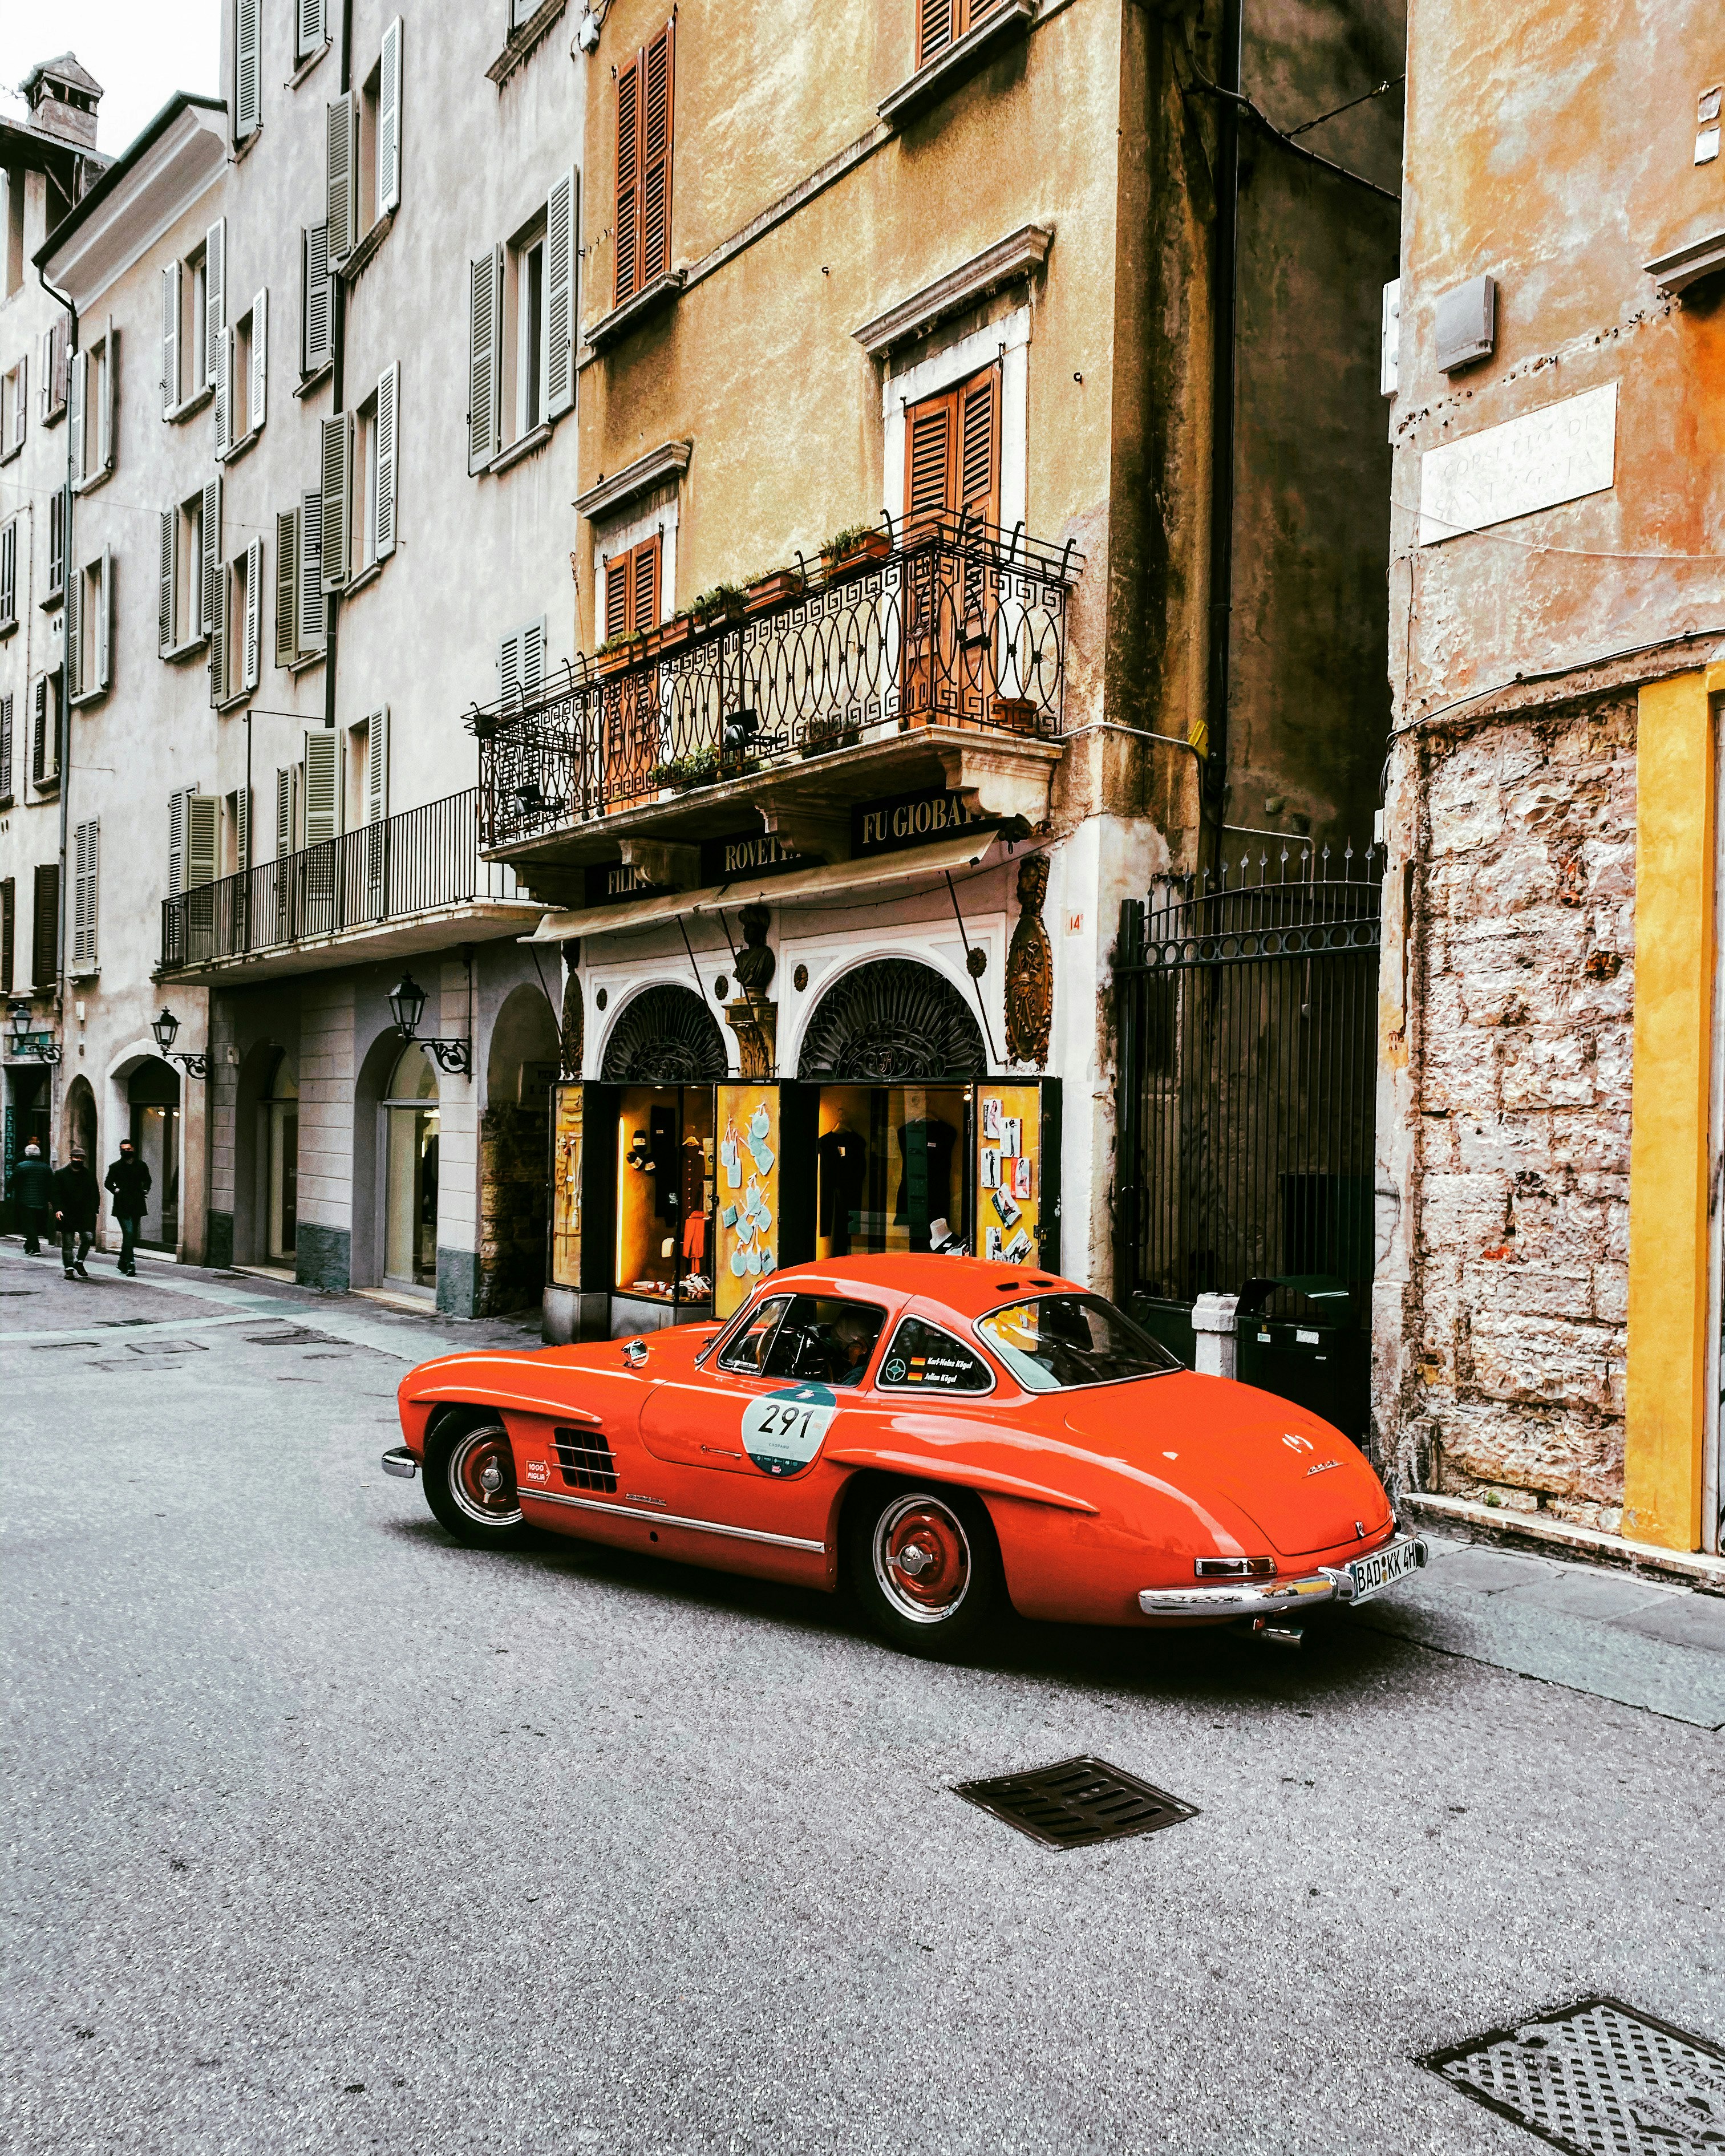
x=789, y=1422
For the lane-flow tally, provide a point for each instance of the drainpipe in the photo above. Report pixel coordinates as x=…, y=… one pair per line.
x=1224, y=289
x=63, y=721
x=338, y=342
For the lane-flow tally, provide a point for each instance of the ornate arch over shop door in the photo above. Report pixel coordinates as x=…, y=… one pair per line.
x=665, y=1037
x=892, y=1022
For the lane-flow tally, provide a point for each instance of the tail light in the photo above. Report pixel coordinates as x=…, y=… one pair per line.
x=1234, y=1567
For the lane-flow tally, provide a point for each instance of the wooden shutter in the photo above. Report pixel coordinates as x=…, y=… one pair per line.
x=336, y=465
x=224, y=391
x=485, y=358
x=383, y=512
x=74, y=634
x=656, y=116
x=532, y=651
x=8, y=930
x=8, y=571
x=202, y=839
x=215, y=294
x=283, y=810
x=57, y=539
x=389, y=120
x=45, y=925
x=77, y=397
x=312, y=617
x=167, y=611
x=257, y=385
x=936, y=24
x=104, y=412
x=316, y=300
x=210, y=547
x=252, y=647
x=323, y=786
x=242, y=829
x=84, y=856
x=617, y=587
x=627, y=222
x=929, y=447
x=644, y=587
x=979, y=448
x=309, y=24
x=176, y=840
x=39, y=771
x=21, y=401
x=103, y=640
x=377, y=765
x=287, y=585
x=341, y=204
x=560, y=297
x=171, y=303
x=6, y=750
x=247, y=93
x=220, y=624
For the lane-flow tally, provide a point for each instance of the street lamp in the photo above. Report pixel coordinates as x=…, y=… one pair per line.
x=166, y=1030
x=25, y=1044
x=407, y=1007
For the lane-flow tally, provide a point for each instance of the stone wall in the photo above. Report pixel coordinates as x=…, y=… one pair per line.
x=513, y=1171
x=1513, y=1100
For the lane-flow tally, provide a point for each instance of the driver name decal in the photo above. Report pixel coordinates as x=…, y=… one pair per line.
x=782, y=1431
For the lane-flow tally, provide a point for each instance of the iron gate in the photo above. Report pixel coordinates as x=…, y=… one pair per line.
x=1246, y=1016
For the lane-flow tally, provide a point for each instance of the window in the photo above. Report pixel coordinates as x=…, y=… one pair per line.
x=953, y=452
x=14, y=408
x=89, y=618
x=90, y=404
x=45, y=927
x=317, y=301
x=8, y=932
x=236, y=632
x=358, y=511
x=747, y=1351
x=193, y=314
x=642, y=223
x=362, y=152
x=52, y=376
x=632, y=596
x=247, y=85
x=194, y=848
x=821, y=1338
x=310, y=34
x=298, y=583
x=56, y=548
x=188, y=566
x=85, y=855
x=45, y=732
x=922, y=1359
x=942, y=23
x=241, y=369
x=521, y=316
x=237, y=832
x=1053, y=1343
x=8, y=576
x=5, y=752
x=521, y=662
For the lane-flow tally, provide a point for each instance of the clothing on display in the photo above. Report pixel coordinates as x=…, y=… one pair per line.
x=844, y=1164
x=925, y=1148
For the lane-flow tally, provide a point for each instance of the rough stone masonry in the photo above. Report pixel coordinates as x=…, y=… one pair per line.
x=1504, y=1109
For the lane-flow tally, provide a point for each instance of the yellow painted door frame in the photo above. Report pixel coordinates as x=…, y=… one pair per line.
x=1668, y=1422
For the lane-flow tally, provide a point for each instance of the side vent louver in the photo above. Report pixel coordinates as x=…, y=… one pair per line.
x=585, y=1460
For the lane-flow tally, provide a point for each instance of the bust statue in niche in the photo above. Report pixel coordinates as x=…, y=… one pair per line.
x=756, y=964
x=1029, y=970
x=753, y=1018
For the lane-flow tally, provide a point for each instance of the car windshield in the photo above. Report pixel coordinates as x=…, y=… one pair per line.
x=1053, y=1343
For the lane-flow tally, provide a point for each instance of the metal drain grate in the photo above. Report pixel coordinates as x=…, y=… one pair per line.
x=1598, y=2078
x=1076, y=1802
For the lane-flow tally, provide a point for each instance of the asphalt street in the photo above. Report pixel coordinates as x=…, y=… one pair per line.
x=326, y=1834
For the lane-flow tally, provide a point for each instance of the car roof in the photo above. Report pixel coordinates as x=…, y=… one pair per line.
x=968, y=1286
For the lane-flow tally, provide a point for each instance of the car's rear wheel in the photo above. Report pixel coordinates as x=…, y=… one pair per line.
x=925, y=1567
x=470, y=1482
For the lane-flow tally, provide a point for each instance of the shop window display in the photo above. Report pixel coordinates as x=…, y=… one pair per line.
x=665, y=1194
x=891, y=1167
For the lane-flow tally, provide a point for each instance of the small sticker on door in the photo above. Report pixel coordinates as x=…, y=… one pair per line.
x=782, y=1432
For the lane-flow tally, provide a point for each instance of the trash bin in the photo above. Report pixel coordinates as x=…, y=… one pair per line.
x=1321, y=1358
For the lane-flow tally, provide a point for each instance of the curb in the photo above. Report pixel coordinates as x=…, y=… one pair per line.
x=1535, y=1535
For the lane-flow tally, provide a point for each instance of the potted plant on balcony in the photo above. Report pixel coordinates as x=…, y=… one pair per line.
x=678, y=773
x=768, y=586
x=673, y=634
x=720, y=603
x=617, y=653
x=856, y=545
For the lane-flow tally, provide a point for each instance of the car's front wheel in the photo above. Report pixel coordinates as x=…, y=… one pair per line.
x=925, y=1567
x=470, y=1482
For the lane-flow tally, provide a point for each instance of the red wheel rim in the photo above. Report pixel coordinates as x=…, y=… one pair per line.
x=922, y=1558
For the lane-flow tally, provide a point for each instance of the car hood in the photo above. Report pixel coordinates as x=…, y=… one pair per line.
x=1294, y=1475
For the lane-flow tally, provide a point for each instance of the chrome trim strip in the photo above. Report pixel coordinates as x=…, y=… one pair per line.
x=1242, y=1598
x=532, y=1497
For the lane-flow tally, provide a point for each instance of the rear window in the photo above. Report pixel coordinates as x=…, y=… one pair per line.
x=1053, y=1343
x=921, y=1358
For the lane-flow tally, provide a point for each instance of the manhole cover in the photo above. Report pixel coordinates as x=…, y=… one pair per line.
x=1076, y=1802
x=1599, y=2078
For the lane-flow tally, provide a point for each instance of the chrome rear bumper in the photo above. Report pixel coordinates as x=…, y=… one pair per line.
x=398, y=1460
x=1269, y=1598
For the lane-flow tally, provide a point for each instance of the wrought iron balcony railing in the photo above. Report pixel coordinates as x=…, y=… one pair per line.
x=412, y=864
x=931, y=621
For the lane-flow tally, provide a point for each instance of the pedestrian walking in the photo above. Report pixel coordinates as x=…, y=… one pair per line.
x=75, y=1200
x=32, y=1191
x=127, y=1182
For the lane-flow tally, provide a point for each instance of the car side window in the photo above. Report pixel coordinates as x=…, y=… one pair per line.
x=921, y=1358
x=824, y=1338
x=746, y=1352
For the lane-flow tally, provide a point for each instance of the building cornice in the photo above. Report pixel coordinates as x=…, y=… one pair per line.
x=669, y=461
x=1021, y=254
x=177, y=158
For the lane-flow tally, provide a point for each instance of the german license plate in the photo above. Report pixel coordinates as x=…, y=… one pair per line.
x=1372, y=1574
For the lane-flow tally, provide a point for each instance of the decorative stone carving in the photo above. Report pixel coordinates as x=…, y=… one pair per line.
x=1029, y=970
x=571, y=1036
x=753, y=1017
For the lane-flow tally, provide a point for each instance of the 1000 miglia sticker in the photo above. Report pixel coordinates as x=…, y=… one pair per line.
x=782, y=1432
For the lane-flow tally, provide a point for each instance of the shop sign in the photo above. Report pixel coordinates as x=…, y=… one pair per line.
x=910, y=819
x=748, y=1241
x=1008, y=1173
x=746, y=854
x=610, y=882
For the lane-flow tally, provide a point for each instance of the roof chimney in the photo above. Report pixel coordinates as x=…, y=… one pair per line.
x=63, y=99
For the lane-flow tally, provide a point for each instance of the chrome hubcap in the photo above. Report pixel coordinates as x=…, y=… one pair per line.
x=481, y=1475
x=921, y=1558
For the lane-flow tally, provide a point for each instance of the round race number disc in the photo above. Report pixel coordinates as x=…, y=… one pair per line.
x=782, y=1432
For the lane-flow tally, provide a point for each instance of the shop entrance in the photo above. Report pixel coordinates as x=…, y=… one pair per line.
x=665, y=1197
x=27, y=1117
x=280, y=1111
x=153, y=1096
x=410, y=1147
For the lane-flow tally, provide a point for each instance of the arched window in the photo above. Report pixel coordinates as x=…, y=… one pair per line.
x=665, y=1037
x=892, y=1023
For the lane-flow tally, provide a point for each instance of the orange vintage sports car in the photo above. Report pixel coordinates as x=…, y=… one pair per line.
x=940, y=1434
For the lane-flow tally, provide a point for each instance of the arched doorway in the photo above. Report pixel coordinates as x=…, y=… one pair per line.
x=409, y=1148
x=279, y=1148
x=665, y=1037
x=515, y=1140
x=894, y=1048
x=666, y=1054
x=152, y=1093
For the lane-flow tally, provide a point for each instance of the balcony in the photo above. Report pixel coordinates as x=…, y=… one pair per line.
x=930, y=654
x=413, y=882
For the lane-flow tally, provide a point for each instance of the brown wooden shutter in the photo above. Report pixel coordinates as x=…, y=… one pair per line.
x=929, y=456
x=936, y=25
x=644, y=587
x=627, y=220
x=45, y=925
x=617, y=596
x=979, y=447
x=656, y=118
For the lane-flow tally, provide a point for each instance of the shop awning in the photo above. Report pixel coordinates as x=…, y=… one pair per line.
x=913, y=870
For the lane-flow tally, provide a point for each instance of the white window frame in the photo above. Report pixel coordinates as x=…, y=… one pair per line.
x=9, y=573
x=612, y=537
x=91, y=394
x=14, y=408
x=89, y=621
x=1007, y=341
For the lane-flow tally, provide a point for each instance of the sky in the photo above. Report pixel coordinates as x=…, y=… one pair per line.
x=141, y=51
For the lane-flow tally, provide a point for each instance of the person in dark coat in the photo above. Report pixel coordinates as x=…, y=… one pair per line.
x=33, y=1193
x=75, y=1200
x=127, y=1182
